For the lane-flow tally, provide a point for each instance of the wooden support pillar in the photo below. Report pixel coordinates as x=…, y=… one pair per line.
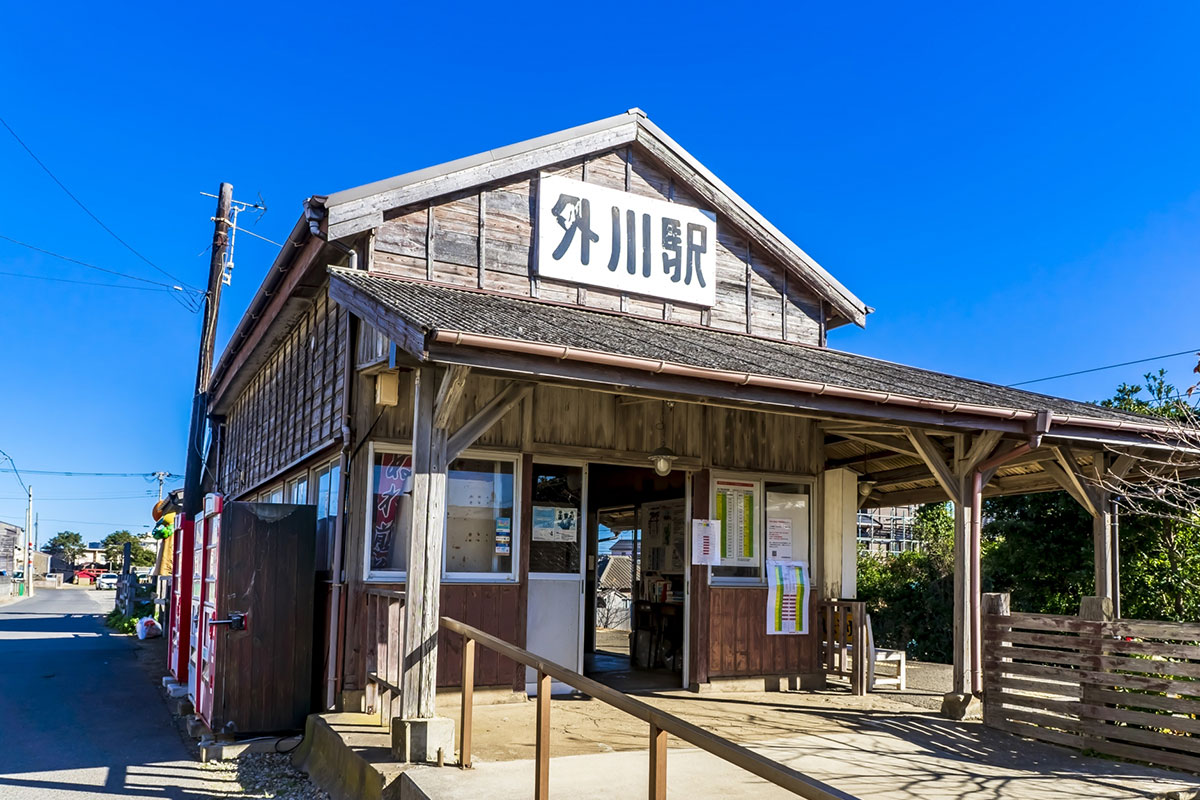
x=1103, y=542
x=963, y=581
x=423, y=584
x=698, y=599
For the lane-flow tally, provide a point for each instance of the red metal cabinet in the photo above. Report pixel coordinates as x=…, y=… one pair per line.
x=179, y=633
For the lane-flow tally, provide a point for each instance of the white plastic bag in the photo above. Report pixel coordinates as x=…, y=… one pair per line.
x=147, y=628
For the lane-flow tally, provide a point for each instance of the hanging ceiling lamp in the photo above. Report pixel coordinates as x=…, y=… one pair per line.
x=663, y=457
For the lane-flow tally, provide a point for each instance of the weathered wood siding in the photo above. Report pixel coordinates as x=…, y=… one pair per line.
x=598, y=426
x=446, y=240
x=291, y=406
x=738, y=644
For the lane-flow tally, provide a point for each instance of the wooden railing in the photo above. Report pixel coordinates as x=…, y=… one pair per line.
x=843, y=630
x=661, y=724
x=385, y=639
x=1125, y=688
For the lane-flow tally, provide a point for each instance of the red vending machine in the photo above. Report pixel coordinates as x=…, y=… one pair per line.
x=179, y=635
x=207, y=539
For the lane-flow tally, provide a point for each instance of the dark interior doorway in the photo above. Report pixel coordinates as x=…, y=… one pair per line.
x=635, y=579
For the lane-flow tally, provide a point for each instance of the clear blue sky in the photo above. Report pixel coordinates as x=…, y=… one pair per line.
x=1014, y=188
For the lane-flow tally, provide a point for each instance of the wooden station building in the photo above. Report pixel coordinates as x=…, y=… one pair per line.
x=483, y=371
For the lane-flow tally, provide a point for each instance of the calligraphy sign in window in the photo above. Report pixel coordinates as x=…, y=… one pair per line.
x=597, y=236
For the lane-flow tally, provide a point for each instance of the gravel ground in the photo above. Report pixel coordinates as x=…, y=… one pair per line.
x=927, y=682
x=264, y=775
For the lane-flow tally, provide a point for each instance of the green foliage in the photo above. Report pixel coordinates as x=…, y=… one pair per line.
x=910, y=595
x=114, y=547
x=67, y=544
x=123, y=624
x=1161, y=399
x=1040, y=551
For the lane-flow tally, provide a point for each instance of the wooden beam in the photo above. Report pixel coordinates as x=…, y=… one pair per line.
x=873, y=455
x=897, y=444
x=891, y=477
x=485, y=418
x=1068, y=483
x=1124, y=463
x=1076, y=483
x=931, y=454
x=982, y=448
x=449, y=395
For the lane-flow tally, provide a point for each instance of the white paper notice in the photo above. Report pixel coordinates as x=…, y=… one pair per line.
x=706, y=534
x=779, y=539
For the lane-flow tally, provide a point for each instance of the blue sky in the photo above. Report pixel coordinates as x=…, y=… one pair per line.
x=1014, y=188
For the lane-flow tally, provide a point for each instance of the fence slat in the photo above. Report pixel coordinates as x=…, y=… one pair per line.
x=1059, y=679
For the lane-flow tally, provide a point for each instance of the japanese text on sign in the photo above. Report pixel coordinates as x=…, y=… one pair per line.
x=604, y=237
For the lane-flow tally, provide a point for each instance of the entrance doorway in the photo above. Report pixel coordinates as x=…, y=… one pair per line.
x=635, y=592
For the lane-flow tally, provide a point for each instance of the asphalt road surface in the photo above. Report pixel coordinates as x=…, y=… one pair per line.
x=78, y=717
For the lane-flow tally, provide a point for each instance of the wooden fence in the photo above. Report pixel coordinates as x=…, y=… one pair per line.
x=843, y=624
x=385, y=640
x=1124, y=688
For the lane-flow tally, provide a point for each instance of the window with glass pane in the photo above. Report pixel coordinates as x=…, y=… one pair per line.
x=390, y=514
x=297, y=491
x=787, y=522
x=480, y=516
x=326, y=501
x=557, y=518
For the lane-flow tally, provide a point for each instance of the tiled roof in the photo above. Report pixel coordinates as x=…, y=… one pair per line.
x=432, y=307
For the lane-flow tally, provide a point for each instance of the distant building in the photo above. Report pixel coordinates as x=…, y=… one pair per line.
x=888, y=529
x=11, y=537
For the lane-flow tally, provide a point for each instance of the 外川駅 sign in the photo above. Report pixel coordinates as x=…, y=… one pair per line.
x=598, y=236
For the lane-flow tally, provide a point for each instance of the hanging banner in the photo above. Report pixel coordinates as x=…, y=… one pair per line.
x=706, y=534
x=393, y=481
x=787, y=597
x=736, y=514
x=598, y=236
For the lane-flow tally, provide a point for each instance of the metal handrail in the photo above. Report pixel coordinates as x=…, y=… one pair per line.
x=661, y=723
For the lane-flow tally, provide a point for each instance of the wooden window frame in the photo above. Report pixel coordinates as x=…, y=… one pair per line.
x=760, y=481
x=392, y=576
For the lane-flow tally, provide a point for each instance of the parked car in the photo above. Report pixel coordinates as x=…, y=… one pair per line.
x=107, y=580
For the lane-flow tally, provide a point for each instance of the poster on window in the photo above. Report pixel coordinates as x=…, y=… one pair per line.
x=779, y=539
x=555, y=524
x=705, y=545
x=393, y=476
x=736, y=514
x=787, y=597
x=503, y=536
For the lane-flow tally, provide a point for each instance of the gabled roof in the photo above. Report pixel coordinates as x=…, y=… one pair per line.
x=355, y=210
x=418, y=315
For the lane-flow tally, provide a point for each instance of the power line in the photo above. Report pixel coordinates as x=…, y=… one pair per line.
x=87, y=210
x=13, y=470
x=145, y=475
x=1189, y=351
x=149, y=494
x=160, y=284
x=84, y=283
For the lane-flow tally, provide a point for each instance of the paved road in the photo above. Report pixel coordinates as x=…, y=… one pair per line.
x=79, y=719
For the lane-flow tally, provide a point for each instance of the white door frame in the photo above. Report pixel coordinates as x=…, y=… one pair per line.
x=581, y=575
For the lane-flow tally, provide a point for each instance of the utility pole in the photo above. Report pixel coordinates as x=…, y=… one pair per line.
x=29, y=544
x=162, y=476
x=192, y=502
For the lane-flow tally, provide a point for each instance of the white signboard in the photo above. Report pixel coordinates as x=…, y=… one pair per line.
x=598, y=236
x=706, y=545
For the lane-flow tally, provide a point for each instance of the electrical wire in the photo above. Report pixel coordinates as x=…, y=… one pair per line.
x=14, y=471
x=87, y=210
x=1189, y=351
x=159, y=284
x=60, y=473
x=84, y=283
